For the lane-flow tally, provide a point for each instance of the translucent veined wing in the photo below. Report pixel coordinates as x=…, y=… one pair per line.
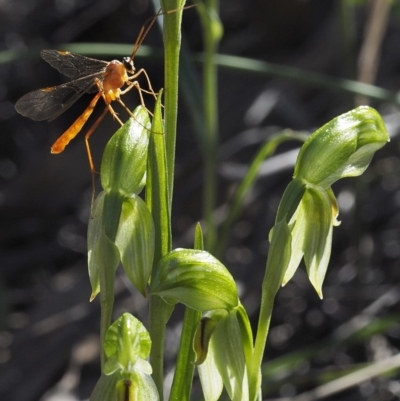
x=73, y=65
x=49, y=103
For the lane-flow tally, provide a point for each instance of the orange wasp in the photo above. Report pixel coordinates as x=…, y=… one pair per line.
x=88, y=76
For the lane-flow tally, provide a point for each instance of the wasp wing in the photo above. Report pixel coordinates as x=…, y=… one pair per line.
x=73, y=65
x=49, y=103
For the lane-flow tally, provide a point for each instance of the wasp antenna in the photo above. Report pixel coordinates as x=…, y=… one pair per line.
x=144, y=31
x=137, y=43
x=177, y=9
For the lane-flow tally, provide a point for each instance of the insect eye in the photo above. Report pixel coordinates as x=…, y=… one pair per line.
x=128, y=64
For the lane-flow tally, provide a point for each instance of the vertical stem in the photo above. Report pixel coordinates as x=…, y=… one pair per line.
x=159, y=314
x=159, y=310
x=277, y=262
x=210, y=115
x=172, y=45
x=212, y=32
x=267, y=303
x=185, y=364
x=157, y=201
x=346, y=22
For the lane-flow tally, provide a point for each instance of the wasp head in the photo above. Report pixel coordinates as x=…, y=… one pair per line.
x=128, y=64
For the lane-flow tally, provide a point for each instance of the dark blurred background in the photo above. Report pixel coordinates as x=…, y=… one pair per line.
x=49, y=330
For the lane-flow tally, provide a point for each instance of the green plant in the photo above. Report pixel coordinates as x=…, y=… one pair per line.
x=216, y=333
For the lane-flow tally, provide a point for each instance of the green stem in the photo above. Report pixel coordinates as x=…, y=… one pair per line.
x=157, y=202
x=278, y=259
x=106, y=276
x=185, y=364
x=345, y=12
x=162, y=187
x=172, y=41
x=267, y=303
x=212, y=32
x=159, y=313
x=159, y=186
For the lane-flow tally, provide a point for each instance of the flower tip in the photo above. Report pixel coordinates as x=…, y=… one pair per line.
x=93, y=295
x=317, y=287
x=336, y=223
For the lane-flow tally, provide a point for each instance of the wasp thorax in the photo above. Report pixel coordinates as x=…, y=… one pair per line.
x=128, y=64
x=115, y=76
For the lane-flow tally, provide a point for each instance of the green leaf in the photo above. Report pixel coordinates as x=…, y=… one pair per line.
x=125, y=157
x=134, y=238
x=135, y=241
x=278, y=258
x=198, y=238
x=104, y=261
x=95, y=228
x=106, y=257
x=196, y=279
x=106, y=254
x=157, y=201
x=112, y=213
x=290, y=200
x=157, y=185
